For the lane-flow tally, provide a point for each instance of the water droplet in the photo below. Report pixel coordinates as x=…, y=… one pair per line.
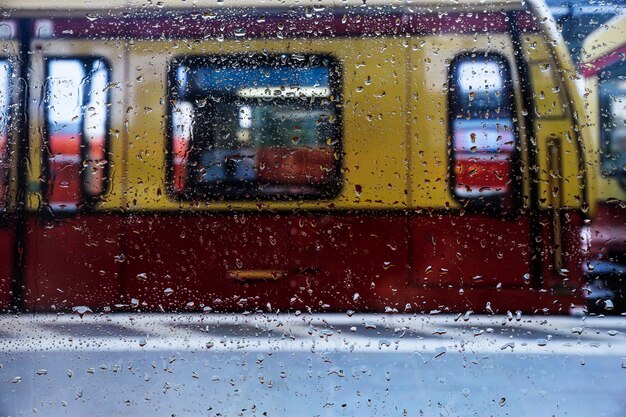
x=81, y=310
x=508, y=345
x=577, y=330
x=544, y=67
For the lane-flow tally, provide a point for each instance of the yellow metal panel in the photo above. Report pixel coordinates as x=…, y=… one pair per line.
x=535, y=47
x=9, y=50
x=570, y=179
x=590, y=128
x=374, y=160
x=546, y=90
x=35, y=142
x=429, y=137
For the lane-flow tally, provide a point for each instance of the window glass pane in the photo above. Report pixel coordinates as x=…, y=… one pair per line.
x=95, y=125
x=64, y=102
x=613, y=120
x=259, y=127
x=76, y=94
x=483, y=141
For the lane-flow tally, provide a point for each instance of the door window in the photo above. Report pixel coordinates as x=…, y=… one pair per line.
x=76, y=105
x=483, y=136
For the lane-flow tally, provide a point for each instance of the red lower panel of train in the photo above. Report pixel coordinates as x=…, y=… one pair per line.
x=376, y=261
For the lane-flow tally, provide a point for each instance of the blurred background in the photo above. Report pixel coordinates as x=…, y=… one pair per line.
x=579, y=18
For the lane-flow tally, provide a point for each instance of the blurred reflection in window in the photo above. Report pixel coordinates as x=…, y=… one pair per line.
x=249, y=127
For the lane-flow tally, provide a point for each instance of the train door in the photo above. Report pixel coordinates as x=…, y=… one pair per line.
x=9, y=99
x=72, y=243
x=469, y=150
x=187, y=249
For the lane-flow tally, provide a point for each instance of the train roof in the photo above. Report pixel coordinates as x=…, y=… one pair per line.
x=18, y=8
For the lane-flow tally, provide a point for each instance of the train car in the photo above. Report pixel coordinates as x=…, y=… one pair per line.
x=316, y=156
x=605, y=75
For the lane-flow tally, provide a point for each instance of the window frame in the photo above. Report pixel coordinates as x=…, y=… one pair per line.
x=490, y=205
x=86, y=201
x=220, y=192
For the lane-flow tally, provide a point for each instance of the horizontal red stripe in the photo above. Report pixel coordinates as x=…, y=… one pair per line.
x=593, y=68
x=69, y=144
x=193, y=25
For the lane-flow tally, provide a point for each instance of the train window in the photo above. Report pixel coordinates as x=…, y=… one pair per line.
x=483, y=138
x=76, y=131
x=613, y=121
x=247, y=127
x=5, y=103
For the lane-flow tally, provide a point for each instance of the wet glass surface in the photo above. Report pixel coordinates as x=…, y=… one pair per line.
x=312, y=208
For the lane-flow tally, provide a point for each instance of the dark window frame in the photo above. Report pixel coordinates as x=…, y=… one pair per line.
x=220, y=192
